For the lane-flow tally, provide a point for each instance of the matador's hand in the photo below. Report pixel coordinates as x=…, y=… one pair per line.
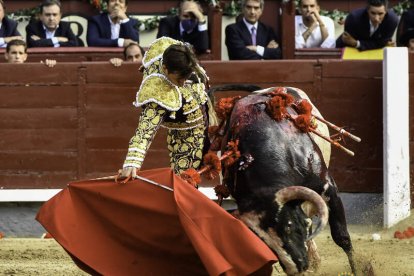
x=126, y=174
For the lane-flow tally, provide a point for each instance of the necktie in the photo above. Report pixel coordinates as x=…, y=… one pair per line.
x=253, y=35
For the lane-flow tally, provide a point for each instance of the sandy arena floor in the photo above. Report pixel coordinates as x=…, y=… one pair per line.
x=387, y=256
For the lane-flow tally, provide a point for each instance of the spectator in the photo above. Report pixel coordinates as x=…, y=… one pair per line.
x=50, y=31
x=249, y=38
x=311, y=29
x=16, y=52
x=133, y=52
x=189, y=26
x=369, y=28
x=405, y=30
x=113, y=28
x=8, y=28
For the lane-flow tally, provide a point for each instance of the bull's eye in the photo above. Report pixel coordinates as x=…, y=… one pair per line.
x=288, y=228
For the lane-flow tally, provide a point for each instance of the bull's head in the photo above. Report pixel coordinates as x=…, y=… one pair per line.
x=286, y=230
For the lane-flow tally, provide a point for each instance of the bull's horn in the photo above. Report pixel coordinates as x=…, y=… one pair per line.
x=302, y=193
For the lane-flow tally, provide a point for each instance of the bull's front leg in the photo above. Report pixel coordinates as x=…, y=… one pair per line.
x=337, y=223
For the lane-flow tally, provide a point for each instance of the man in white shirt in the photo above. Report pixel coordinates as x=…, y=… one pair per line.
x=113, y=28
x=313, y=30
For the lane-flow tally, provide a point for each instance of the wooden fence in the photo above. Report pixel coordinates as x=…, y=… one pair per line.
x=74, y=121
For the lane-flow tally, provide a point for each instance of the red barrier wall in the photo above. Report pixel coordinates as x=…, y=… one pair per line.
x=74, y=121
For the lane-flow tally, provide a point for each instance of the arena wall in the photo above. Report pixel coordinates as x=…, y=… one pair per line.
x=74, y=121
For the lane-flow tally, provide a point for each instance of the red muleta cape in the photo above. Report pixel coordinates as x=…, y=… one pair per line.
x=138, y=228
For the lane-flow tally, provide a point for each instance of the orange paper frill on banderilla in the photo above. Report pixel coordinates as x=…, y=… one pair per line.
x=138, y=228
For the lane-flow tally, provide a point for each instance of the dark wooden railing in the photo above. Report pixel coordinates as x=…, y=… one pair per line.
x=73, y=121
x=70, y=54
x=318, y=53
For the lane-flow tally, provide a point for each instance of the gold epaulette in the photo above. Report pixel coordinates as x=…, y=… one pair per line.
x=158, y=89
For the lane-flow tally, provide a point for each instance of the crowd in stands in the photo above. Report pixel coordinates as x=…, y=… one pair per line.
x=370, y=27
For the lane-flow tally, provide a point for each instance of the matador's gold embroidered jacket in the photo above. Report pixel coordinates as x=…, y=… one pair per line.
x=165, y=104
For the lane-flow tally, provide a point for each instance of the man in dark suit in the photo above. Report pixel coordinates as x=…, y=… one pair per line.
x=8, y=28
x=113, y=28
x=249, y=38
x=369, y=28
x=189, y=26
x=50, y=31
x=405, y=30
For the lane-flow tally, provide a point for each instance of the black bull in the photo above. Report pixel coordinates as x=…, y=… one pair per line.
x=277, y=155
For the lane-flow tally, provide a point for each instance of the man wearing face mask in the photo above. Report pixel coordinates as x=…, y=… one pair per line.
x=189, y=26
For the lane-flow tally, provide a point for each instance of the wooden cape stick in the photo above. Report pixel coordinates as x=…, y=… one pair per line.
x=138, y=177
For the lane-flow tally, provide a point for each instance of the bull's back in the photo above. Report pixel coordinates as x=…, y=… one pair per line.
x=299, y=94
x=283, y=155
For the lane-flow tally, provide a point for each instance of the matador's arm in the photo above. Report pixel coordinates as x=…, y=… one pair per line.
x=150, y=120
